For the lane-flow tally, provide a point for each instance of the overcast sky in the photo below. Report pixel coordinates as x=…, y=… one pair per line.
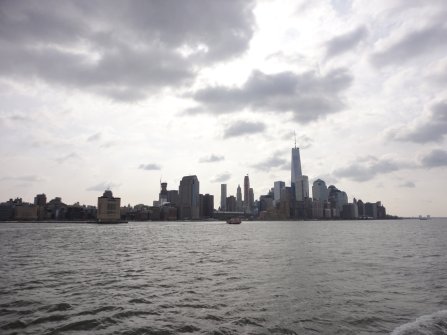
x=121, y=94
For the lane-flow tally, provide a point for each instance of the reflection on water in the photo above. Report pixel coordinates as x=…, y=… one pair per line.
x=207, y=277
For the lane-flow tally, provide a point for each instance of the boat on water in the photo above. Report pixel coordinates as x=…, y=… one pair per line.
x=111, y=221
x=234, y=221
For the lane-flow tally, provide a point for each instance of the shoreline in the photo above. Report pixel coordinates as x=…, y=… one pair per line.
x=211, y=221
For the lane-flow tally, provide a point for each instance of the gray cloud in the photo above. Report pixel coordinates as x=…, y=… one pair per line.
x=124, y=50
x=273, y=162
x=308, y=96
x=109, y=144
x=241, y=128
x=19, y=118
x=414, y=44
x=440, y=77
x=439, y=73
x=222, y=177
x=436, y=158
x=211, y=159
x=433, y=129
x=26, y=178
x=366, y=169
x=346, y=42
x=101, y=187
x=95, y=137
x=72, y=155
x=149, y=167
x=408, y=184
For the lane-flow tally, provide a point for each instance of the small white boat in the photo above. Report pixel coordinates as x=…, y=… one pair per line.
x=234, y=221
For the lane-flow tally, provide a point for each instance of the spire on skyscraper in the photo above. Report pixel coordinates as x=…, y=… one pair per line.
x=294, y=134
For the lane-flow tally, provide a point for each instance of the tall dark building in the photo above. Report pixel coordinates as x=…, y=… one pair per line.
x=173, y=197
x=223, y=197
x=251, y=199
x=40, y=200
x=361, y=207
x=246, y=194
x=231, y=204
x=381, y=210
x=239, y=206
x=189, y=205
x=371, y=210
x=163, y=196
x=207, y=206
x=295, y=169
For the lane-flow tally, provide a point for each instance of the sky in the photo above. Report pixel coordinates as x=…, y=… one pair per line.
x=123, y=94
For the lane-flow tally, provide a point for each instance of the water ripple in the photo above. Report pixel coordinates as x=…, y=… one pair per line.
x=208, y=278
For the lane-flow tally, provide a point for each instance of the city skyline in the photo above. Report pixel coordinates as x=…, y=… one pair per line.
x=125, y=95
x=280, y=202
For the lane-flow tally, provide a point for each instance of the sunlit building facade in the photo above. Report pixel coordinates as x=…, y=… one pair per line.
x=108, y=207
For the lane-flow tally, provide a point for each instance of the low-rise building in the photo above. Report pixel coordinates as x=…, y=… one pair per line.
x=108, y=208
x=26, y=212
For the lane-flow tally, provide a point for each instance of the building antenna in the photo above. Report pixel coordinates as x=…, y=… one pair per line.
x=294, y=134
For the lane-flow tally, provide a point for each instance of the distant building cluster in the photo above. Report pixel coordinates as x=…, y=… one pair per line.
x=282, y=202
x=295, y=202
x=41, y=210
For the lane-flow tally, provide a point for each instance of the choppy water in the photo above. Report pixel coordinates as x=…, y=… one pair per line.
x=342, y=277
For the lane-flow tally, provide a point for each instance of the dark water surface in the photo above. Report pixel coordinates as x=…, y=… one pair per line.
x=363, y=277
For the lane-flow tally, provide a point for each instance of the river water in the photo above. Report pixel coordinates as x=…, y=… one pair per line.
x=344, y=277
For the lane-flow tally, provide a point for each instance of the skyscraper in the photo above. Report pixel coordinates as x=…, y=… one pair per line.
x=239, y=198
x=295, y=168
x=337, y=198
x=277, y=187
x=223, y=197
x=251, y=200
x=319, y=190
x=207, y=206
x=299, y=183
x=189, y=198
x=246, y=195
x=231, y=204
x=163, y=196
x=302, y=188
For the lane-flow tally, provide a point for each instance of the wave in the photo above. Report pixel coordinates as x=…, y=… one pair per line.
x=50, y=318
x=433, y=324
x=59, y=307
x=100, y=309
x=83, y=326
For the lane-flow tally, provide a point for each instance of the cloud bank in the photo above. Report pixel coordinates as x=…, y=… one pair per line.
x=343, y=43
x=308, y=96
x=241, y=128
x=412, y=45
x=123, y=50
x=432, y=128
x=221, y=178
x=436, y=158
x=275, y=161
x=367, y=168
